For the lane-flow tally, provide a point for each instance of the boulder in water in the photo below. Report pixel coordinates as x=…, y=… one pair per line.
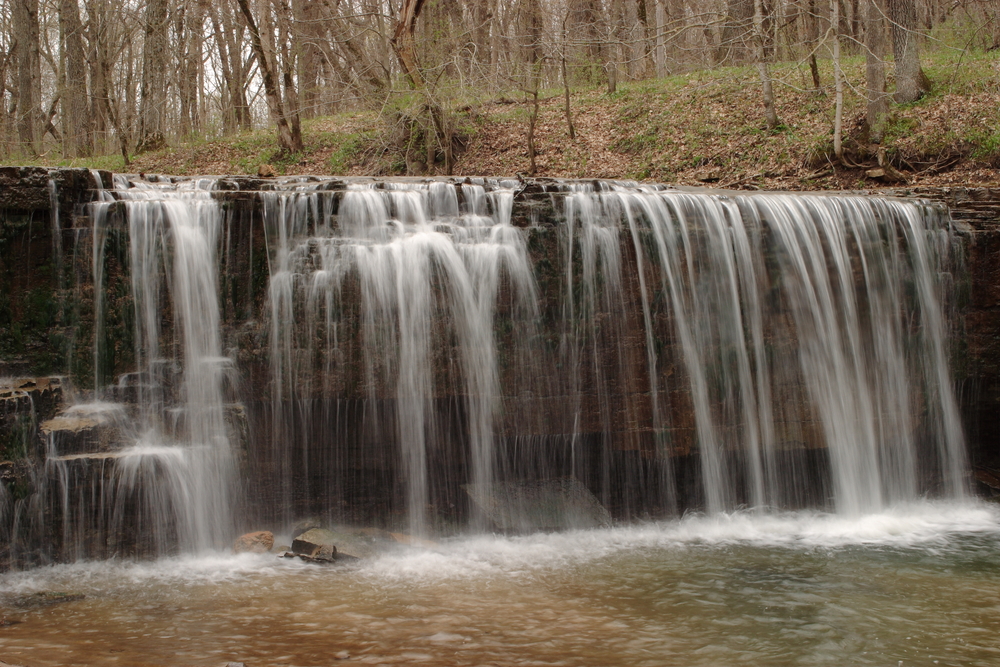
x=259, y=542
x=317, y=543
x=303, y=525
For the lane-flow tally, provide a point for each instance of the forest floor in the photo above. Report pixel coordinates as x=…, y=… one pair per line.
x=701, y=128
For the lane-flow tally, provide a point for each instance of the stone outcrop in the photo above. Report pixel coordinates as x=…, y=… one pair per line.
x=258, y=542
x=317, y=543
x=86, y=428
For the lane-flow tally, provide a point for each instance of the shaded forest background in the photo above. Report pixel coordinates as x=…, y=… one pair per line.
x=663, y=89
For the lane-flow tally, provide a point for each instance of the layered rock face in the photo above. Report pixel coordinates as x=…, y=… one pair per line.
x=382, y=345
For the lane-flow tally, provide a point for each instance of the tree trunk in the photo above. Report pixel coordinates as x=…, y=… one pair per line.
x=155, y=60
x=838, y=82
x=911, y=82
x=736, y=32
x=29, y=75
x=661, y=39
x=878, y=105
x=770, y=113
x=289, y=58
x=77, y=139
x=96, y=60
x=404, y=44
x=271, y=92
x=569, y=112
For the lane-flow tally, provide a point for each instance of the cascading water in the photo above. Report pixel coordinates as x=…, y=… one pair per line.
x=791, y=349
x=414, y=257
x=179, y=476
x=670, y=350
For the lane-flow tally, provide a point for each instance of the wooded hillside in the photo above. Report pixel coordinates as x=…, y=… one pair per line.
x=83, y=78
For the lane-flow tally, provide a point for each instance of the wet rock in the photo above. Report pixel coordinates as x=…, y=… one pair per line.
x=316, y=543
x=85, y=428
x=341, y=655
x=303, y=525
x=46, y=393
x=546, y=504
x=258, y=542
x=988, y=480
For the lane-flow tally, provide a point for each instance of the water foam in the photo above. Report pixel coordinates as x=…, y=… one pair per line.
x=932, y=526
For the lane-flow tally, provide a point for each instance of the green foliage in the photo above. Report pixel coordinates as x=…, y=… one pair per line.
x=986, y=145
x=347, y=152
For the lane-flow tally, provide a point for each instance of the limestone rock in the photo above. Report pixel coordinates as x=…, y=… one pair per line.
x=303, y=525
x=258, y=542
x=316, y=543
x=86, y=428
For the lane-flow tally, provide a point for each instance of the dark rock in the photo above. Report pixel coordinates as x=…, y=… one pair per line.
x=259, y=542
x=316, y=543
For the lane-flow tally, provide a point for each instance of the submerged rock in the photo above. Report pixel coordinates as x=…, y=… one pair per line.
x=544, y=504
x=258, y=542
x=43, y=599
x=411, y=541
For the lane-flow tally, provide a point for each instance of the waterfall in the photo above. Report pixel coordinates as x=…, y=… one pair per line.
x=411, y=351
x=785, y=349
x=174, y=235
x=413, y=256
x=169, y=479
x=842, y=268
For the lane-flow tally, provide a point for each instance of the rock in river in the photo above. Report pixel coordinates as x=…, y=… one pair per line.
x=316, y=543
x=259, y=542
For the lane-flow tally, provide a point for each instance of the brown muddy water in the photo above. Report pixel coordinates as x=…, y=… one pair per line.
x=918, y=585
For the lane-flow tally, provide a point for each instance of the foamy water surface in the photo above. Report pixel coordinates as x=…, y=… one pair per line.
x=917, y=584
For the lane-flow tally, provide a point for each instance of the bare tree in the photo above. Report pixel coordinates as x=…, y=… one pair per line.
x=838, y=79
x=404, y=44
x=911, y=81
x=155, y=61
x=290, y=142
x=875, y=69
x=27, y=103
x=760, y=40
x=77, y=139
